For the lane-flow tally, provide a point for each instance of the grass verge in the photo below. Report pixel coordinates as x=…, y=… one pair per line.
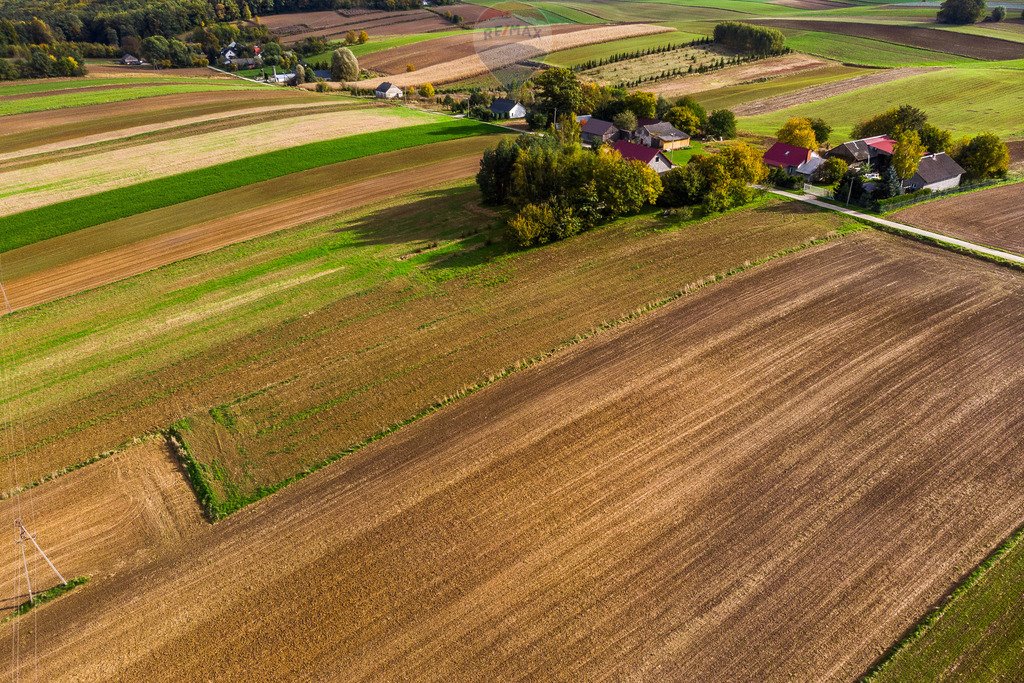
x=48, y=595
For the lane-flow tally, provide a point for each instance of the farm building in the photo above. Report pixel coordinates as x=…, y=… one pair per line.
x=663, y=136
x=130, y=60
x=936, y=172
x=868, y=151
x=388, y=91
x=504, y=108
x=651, y=156
x=596, y=132
x=787, y=157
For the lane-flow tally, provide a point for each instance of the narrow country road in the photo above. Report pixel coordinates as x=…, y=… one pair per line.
x=902, y=227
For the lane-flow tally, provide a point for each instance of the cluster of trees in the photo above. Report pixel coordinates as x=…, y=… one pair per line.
x=962, y=11
x=171, y=52
x=557, y=189
x=750, y=39
x=810, y=133
x=211, y=38
x=635, y=54
x=715, y=182
x=692, y=118
x=32, y=49
x=356, y=37
x=344, y=65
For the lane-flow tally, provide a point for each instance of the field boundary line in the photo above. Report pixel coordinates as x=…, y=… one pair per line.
x=219, y=509
x=241, y=78
x=924, y=625
x=946, y=241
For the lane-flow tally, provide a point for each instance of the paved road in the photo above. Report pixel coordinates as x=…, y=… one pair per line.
x=902, y=227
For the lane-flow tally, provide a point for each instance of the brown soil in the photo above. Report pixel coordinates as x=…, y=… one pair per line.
x=295, y=27
x=773, y=67
x=438, y=61
x=993, y=218
x=100, y=520
x=1016, y=154
x=978, y=47
x=824, y=90
x=99, y=255
x=811, y=4
x=767, y=481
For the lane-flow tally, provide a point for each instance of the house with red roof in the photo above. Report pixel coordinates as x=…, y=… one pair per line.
x=787, y=157
x=873, y=151
x=650, y=156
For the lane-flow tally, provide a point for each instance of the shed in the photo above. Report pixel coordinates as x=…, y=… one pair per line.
x=388, y=91
x=663, y=136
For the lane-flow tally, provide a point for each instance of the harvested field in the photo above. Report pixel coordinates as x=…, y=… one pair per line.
x=167, y=130
x=993, y=218
x=23, y=131
x=869, y=52
x=64, y=179
x=474, y=56
x=727, y=475
x=977, y=47
x=103, y=519
x=812, y=4
x=447, y=49
x=332, y=24
x=772, y=67
x=163, y=341
x=1016, y=154
x=821, y=91
x=106, y=253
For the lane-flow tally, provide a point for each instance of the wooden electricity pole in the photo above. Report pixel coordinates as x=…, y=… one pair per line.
x=24, y=535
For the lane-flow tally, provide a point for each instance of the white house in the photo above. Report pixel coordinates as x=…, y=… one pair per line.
x=387, y=91
x=504, y=108
x=936, y=172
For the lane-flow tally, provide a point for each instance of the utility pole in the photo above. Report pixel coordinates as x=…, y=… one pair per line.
x=24, y=535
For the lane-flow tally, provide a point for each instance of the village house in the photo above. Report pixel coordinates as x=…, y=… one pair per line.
x=388, y=91
x=873, y=152
x=788, y=157
x=504, y=108
x=663, y=136
x=936, y=172
x=130, y=60
x=650, y=156
x=595, y=132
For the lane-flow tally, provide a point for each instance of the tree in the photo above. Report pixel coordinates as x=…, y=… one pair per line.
x=363, y=37
x=495, y=175
x=427, y=90
x=935, y=138
x=560, y=90
x=998, y=14
x=625, y=186
x=850, y=188
x=721, y=124
x=906, y=155
x=822, y=131
x=799, y=133
x=892, y=184
x=643, y=104
x=904, y=117
x=568, y=131
x=961, y=11
x=532, y=225
x=351, y=37
x=625, y=120
x=410, y=67
x=687, y=102
x=300, y=74
x=983, y=156
x=344, y=65
x=684, y=119
x=830, y=171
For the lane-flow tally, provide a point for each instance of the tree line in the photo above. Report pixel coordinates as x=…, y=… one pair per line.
x=750, y=39
x=636, y=54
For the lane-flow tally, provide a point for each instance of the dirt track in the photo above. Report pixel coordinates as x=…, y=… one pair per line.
x=993, y=218
x=112, y=264
x=824, y=90
x=967, y=45
x=727, y=476
x=773, y=67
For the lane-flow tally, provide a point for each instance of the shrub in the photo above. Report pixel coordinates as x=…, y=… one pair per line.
x=830, y=171
x=961, y=11
x=983, y=156
x=998, y=14
x=721, y=124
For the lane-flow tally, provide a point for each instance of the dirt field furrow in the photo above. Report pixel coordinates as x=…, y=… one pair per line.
x=773, y=67
x=728, y=475
x=824, y=90
x=993, y=218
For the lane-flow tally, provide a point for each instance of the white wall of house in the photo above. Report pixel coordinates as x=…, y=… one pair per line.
x=916, y=184
x=660, y=163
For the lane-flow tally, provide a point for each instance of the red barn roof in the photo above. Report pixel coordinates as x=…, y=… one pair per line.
x=631, y=150
x=782, y=155
x=881, y=142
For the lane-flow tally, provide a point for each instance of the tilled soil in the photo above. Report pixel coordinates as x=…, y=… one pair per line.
x=967, y=45
x=769, y=480
x=824, y=90
x=773, y=67
x=993, y=218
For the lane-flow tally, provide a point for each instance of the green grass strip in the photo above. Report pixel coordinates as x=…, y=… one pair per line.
x=84, y=99
x=45, y=597
x=54, y=220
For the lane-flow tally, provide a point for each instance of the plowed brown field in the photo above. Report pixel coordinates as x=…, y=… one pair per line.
x=967, y=45
x=767, y=481
x=102, y=519
x=993, y=218
x=773, y=67
x=330, y=24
